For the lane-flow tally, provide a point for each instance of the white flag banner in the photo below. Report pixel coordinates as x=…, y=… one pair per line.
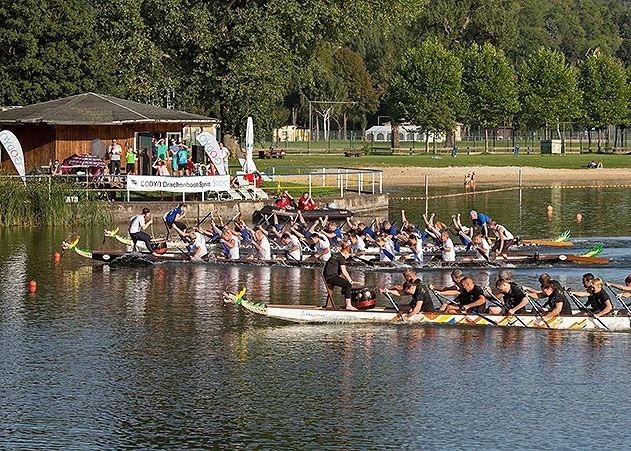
x=215, y=183
x=14, y=149
x=214, y=152
x=248, y=165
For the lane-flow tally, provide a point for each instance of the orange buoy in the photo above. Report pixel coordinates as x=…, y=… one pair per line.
x=56, y=257
x=32, y=286
x=550, y=208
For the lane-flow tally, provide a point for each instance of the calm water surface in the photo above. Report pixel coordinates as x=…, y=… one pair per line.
x=149, y=357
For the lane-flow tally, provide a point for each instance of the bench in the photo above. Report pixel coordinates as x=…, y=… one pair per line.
x=271, y=153
x=382, y=152
x=353, y=153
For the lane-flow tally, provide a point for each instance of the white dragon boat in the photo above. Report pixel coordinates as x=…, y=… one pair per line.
x=380, y=315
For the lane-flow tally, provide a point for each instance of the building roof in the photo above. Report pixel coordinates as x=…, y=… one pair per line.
x=96, y=109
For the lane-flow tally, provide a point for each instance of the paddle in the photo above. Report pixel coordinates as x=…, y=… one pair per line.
x=582, y=307
x=535, y=307
x=619, y=298
x=449, y=301
x=366, y=262
x=396, y=307
x=203, y=219
x=494, y=300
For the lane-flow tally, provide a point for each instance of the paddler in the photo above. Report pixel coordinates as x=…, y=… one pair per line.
x=598, y=301
x=448, y=252
x=556, y=304
x=505, y=239
x=482, y=247
x=413, y=286
x=261, y=245
x=416, y=247
x=471, y=297
x=512, y=296
x=322, y=247
x=336, y=275
x=230, y=243
x=197, y=249
x=291, y=246
x=137, y=226
x=173, y=216
x=358, y=246
x=480, y=220
x=626, y=288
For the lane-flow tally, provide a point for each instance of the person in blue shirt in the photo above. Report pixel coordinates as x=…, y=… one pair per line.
x=182, y=159
x=481, y=220
x=388, y=228
x=173, y=217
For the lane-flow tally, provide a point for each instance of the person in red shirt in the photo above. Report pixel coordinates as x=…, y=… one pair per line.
x=284, y=200
x=306, y=202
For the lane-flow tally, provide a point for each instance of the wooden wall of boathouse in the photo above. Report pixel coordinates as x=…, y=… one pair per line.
x=45, y=143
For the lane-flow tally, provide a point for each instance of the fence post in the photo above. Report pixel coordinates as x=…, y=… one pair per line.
x=309, y=184
x=373, y=182
x=323, y=176
x=519, y=177
x=50, y=181
x=273, y=173
x=381, y=183
x=426, y=193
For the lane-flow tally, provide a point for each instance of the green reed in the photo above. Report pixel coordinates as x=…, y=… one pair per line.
x=43, y=202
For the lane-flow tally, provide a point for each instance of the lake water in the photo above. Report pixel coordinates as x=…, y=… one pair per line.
x=149, y=357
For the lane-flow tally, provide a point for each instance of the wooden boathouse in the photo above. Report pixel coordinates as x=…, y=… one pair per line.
x=57, y=129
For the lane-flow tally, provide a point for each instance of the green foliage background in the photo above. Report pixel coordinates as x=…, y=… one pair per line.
x=234, y=58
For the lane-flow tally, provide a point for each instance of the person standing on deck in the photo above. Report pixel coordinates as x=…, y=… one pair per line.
x=421, y=299
x=115, y=152
x=137, y=226
x=336, y=275
x=130, y=160
x=182, y=159
x=480, y=220
x=173, y=150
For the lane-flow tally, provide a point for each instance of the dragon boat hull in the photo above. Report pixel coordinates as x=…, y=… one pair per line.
x=318, y=315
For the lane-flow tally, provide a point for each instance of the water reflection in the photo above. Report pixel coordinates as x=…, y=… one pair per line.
x=151, y=358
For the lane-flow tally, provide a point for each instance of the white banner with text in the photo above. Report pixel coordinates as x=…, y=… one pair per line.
x=178, y=184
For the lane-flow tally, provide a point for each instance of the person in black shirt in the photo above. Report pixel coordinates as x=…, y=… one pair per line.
x=471, y=297
x=513, y=297
x=557, y=304
x=336, y=275
x=421, y=299
x=544, y=277
x=597, y=298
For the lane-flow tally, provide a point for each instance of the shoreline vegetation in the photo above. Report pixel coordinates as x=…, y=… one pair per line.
x=42, y=204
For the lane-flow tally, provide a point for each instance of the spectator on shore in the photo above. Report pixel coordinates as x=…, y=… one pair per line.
x=114, y=151
x=130, y=157
x=161, y=149
x=161, y=168
x=145, y=162
x=173, y=150
x=182, y=159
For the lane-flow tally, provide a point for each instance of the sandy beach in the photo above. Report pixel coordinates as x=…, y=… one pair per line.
x=507, y=175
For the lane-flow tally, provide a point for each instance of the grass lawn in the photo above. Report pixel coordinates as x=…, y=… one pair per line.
x=572, y=161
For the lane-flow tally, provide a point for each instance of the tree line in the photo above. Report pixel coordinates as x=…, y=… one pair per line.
x=534, y=63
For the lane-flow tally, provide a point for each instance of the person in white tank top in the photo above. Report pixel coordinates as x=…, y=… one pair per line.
x=505, y=238
x=262, y=245
x=448, y=253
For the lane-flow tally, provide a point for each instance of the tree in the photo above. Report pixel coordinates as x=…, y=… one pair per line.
x=426, y=89
x=488, y=81
x=604, y=85
x=548, y=90
x=50, y=50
